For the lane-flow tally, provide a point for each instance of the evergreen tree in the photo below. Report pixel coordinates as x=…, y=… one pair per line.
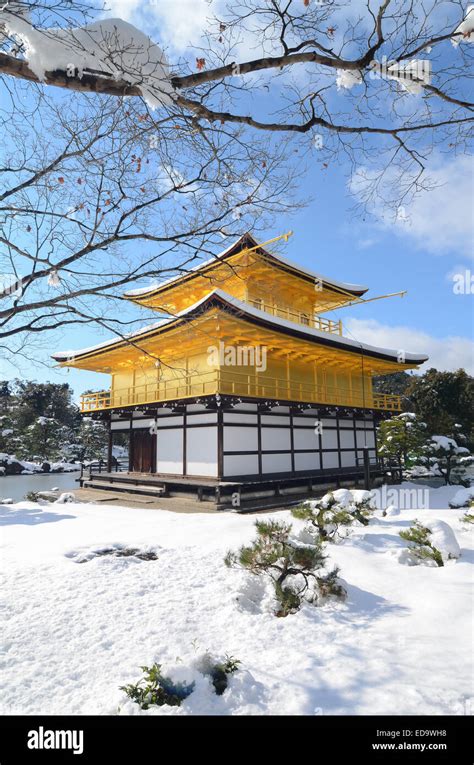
x=46, y=439
x=397, y=383
x=51, y=400
x=90, y=441
x=444, y=400
x=401, y=439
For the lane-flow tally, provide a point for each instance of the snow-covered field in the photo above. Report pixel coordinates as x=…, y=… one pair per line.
x=74, y=632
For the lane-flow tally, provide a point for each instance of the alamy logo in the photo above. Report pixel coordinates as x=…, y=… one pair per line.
x=56, y=739
x=238, y=356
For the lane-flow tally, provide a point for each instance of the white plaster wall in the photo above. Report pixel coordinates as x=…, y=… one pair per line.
x=276, y=463
x=268, y=419
x=329, y=438
x=240, y=464
x=202, y=419
x=275, y=438
x=162, y=421
x=307, y=461
x=305, y=439
x=348, y=459
x=123, y=425
x=201, y=451
x=240, y=417
x=240, y=439
x=169, y=451
x=330, y=460
x=143, y=424
x=347, y=439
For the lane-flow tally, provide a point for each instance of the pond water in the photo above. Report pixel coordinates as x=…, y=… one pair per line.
x=16, y=486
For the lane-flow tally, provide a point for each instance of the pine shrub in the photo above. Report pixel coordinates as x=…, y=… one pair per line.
x=418, y=537
x=331, y=514
x=296, y=569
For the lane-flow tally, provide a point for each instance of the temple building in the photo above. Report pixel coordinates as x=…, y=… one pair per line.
x=246, y=382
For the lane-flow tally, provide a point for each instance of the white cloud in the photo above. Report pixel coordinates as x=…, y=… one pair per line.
x=446, y=354
x=176, y=24
x=439, y=220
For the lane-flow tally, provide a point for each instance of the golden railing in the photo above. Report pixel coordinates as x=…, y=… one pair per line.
x=300, y=317
x=257, y=385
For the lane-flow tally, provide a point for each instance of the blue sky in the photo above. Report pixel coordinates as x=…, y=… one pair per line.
x=329, y=239
x=421, y=255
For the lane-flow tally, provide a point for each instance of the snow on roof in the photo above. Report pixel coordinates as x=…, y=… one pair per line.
x=222, y=255
x=69, y=355
x=246, y=309
x=158, y=285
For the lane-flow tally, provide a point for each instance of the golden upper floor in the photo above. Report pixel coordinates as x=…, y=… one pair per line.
x=266, y=281
x=216, y=346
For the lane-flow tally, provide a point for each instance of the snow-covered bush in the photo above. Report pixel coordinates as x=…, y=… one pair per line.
x=447, y=458
x=336, y=511
x=218, y=671
x=295, y=567
x=463, y=498
x=159, y=687
x=156, y=689
x=32, y=496
x=433, y=542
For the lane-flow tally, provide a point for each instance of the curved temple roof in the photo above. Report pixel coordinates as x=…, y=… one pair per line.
x=245, y=241
x=248, y=313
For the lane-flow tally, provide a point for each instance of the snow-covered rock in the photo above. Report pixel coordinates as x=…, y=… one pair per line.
x=11, y=465
x=462, y=498
x=443, y=538
x=65, y=497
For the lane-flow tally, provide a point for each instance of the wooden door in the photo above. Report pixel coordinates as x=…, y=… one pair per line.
x=143, y=452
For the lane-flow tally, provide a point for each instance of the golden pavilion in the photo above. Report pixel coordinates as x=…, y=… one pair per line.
x=246, y=379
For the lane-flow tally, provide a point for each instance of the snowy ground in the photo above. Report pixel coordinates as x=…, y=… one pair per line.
x=76, y=631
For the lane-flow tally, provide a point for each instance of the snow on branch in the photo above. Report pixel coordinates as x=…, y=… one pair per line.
x=465, y=31
x=110, y=48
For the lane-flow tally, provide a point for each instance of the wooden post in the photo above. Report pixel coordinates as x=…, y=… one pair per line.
x=109, y=449
x=365, y=452
x=130, y=447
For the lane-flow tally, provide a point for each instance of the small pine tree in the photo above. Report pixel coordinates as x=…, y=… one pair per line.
x=418, y=537
x=333, y=511
x=294, y=568
x=468, y=516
